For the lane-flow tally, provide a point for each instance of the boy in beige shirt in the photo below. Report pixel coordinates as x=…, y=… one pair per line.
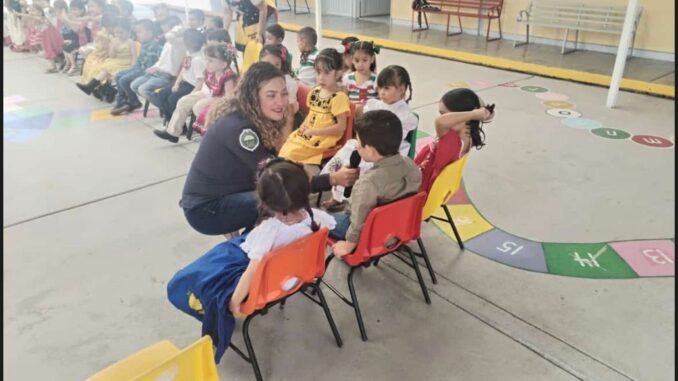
x=392, y=177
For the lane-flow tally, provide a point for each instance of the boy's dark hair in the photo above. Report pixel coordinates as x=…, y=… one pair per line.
x=368, y=48
x=395, y=75
x=171, y=21
x=77, y=4
x=276, y=50
x=380, y=129
x=466, y=100
x=148, y=25
x=218, y=22
x=101, y=3
x=197, y=13
x=126, y=7
x=193, y=40
x=348, y=40
x=283, y=187
x=277, y=31
x=220, y=35
x=309, y=35
x=60, y=4
x=329, y=59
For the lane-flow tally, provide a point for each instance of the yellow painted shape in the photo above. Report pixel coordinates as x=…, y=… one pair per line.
x=466, y=218
x=559, y=104
x=102, y=115
x=456, y=85
x=503, y=63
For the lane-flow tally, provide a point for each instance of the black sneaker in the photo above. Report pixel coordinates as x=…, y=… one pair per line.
x=135, y=106
x=166, y=135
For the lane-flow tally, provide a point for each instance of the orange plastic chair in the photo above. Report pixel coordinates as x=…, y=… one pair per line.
x=163, y=360
x=281, y=274
x=388, y=228
x=444, y=186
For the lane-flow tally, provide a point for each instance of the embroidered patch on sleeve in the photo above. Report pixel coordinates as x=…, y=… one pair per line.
x=249, y=140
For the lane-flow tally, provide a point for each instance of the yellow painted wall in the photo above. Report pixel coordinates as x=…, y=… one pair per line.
x=655, y=31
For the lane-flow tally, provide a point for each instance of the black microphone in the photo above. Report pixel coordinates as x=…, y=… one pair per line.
x=354, y=162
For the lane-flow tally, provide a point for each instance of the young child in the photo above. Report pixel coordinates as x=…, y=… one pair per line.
x=274, y=35
x=122, y=54
x=94, y=20
x=361, y=82
x=49, y=28
x=214, y=23
x=307, y=38
x=212, y=288
x=346, y=43
x=74, y=33
x=458, y=128
x=196, y=20
x=190, y=77
x=101, y=45
x=392, y=176
x=126, y=99
x=219, y=81
x=15, y=25
x=278, y=57
x=165, y=70
x=394, y=87
x=327, y=118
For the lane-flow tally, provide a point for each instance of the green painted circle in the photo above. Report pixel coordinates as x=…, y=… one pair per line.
x=611, y=133
x=534, y=89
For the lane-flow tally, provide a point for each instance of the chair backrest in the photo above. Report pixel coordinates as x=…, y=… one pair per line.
x=283, y=271
x=412, y=139
x=444, y=186
x=302, y=97
x=388, y=227
x=164, y=361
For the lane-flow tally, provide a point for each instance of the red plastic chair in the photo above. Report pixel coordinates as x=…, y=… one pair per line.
x=302, y=97
x=281, y=274
x=388, y=228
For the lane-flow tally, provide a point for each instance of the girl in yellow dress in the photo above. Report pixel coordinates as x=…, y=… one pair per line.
x=121, y=54
x=329, y=109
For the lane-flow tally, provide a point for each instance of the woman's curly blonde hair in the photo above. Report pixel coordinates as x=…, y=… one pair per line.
x=246, y=101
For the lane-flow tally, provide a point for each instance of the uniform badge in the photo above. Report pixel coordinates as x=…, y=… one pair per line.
x=249, y=140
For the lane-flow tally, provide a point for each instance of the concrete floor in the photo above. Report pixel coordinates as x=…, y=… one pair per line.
x=642, y=69
x=92, y=233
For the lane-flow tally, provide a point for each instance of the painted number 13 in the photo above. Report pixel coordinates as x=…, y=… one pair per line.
x=656, y=258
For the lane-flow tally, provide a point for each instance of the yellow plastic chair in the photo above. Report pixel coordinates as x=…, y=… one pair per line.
x=444, y=186
x=164, y=361
x=250, y=55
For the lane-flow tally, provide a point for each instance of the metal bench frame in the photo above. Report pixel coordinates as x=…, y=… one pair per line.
x=490, y=10
x=574, y=16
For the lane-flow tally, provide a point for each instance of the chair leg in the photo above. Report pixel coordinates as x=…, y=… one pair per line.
x=427, y=260
x=250, y=348
x=146, y=105
x=189, y=129
x=454, y=227
x=356, y=306
x=415, y=264
x=328, y=314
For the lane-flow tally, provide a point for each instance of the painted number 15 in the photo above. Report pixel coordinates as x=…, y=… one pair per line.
x=508, y=246
x=656, y=258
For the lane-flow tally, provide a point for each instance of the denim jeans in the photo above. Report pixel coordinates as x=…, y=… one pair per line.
x=340, y=229
x=124, y=79
x=224, y=215
x=166, y=100
x=148, y=83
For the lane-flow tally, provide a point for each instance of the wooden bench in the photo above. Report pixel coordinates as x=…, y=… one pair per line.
x=574, y=16
x=480, y=9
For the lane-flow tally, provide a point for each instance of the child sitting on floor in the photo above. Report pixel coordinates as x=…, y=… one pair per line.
x=361, y=81
x=219, y=81
x=391, y=177
x=307, y=38
x=329, y=110
x=458, y=128
x=212, y=288
x=393, y=84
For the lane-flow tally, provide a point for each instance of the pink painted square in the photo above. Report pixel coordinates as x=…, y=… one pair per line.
x=139, y=115
x=648, y=258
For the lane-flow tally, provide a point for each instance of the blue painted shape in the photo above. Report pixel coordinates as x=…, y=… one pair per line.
x=40, y=122
x=583, y=123
x=509, y=249
x=14, y=135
